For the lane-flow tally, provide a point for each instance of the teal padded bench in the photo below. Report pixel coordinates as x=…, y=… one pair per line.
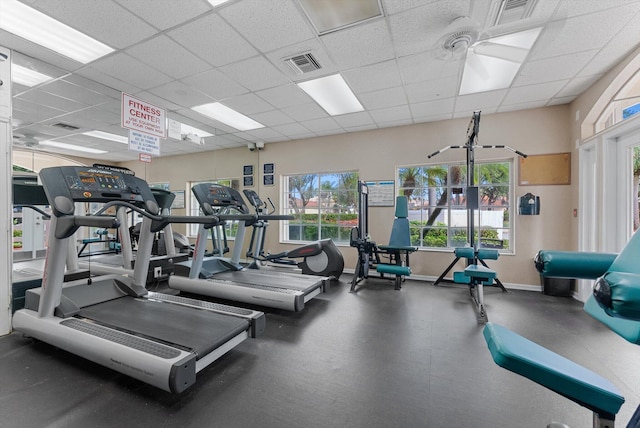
x=526, y=358
x=397, y=251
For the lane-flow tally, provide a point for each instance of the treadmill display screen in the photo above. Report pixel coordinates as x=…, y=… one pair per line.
x=89, y=180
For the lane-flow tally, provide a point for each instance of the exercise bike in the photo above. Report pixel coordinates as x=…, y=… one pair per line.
x=321, y=258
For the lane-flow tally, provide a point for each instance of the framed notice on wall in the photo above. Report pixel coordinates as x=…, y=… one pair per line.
x=536, y=170
x=382, y=193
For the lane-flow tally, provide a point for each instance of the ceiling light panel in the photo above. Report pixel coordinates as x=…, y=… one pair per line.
x=107, y=136
x=73, y=147
x=333, y=94
x=35, y=26
x=228, y=116
x=27, y=77
x=332, y=15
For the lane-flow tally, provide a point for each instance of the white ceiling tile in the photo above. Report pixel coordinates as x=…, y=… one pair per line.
x=268, y=24
x=582, y=7
x=558, y=68
x=577, y=85
x=350, y=120
x=164, y=14
x=264, y=133
x=272, y=118
x=77, y=93
x=360, y=45
x=568, y=36
x=393, y=123
x=432, y=89
x=89, y=86
x=46, y=99
x=291, y=129
x=213, y=40
x=157, y=100
x=383, y=98
x=395, y=6
x=421, y=67
x=284, y=96
x=431, y=108
x=128, y=69
x=103, y=20
x=215, y=84
x=480, y=101
x=305, y=112
x=539, y=92
x=418, y=29
x=168, y=57
x=391, y=114
x=321, y=125
x=374, y=77
x=561, y=100
x=248, y=104
x=255, y=73
x=360, y=128
x=181, y=94
x=522, y=106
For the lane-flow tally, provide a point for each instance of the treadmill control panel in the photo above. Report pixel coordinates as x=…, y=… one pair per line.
x=211, y=195
x=68, y=184
x=254, y=199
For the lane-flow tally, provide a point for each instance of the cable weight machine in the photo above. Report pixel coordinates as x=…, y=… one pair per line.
x=477, y=272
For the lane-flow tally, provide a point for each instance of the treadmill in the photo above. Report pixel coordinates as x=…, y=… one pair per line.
x=160, y=339
x=160, y=266
x=228, y=278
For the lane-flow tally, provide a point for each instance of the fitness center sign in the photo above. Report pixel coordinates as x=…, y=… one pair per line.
x=143, y=117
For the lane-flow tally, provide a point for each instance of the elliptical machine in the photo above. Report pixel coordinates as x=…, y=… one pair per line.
x=320, y=258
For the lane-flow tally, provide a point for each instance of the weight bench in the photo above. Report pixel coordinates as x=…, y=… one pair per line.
x=526, y=358
x=479, y=276
x=615, y=302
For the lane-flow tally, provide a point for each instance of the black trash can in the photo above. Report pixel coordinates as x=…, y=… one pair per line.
x=561, y=287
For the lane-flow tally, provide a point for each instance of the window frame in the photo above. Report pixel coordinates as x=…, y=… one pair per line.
x=344, y=221
x=422, y=188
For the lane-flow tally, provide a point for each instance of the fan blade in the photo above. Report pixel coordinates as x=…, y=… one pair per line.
x=505, y=52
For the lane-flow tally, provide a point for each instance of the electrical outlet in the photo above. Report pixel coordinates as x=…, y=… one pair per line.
x=157, y=271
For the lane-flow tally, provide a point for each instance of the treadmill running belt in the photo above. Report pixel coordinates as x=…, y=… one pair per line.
x=198, y=330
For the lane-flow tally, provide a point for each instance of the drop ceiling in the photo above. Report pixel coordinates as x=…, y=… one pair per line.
x=180, y=54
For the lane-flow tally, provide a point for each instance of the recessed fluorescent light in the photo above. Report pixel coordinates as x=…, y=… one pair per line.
x=107, y=136
x=35, y=26
x=493, y=64
x=215, y=3
x=333, y=94
x=73, y=147
x=331, y=15
x=228, y=116
x=27, y=77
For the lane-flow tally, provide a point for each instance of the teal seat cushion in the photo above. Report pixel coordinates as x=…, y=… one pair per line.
x=627, y=329
x=526, y=358
x=477, y=271
x=573, y=264
x=394, y=269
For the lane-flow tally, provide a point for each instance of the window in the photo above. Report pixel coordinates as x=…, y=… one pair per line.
x=437, y=197
x=194, y=208
x=324, y=206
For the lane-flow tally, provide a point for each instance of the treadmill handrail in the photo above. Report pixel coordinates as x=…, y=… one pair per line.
x=161, y=221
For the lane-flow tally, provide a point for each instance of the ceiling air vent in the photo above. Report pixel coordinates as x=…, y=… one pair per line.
x=66, y=126
x=513, y=10
x=304, y=63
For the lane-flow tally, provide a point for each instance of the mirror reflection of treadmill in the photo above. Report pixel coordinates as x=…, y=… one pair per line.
x=227, y=278
x=163, y=340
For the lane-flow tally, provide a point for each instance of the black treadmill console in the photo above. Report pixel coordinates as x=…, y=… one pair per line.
x=211, y=195
x=254, y=199
x=68, y=184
